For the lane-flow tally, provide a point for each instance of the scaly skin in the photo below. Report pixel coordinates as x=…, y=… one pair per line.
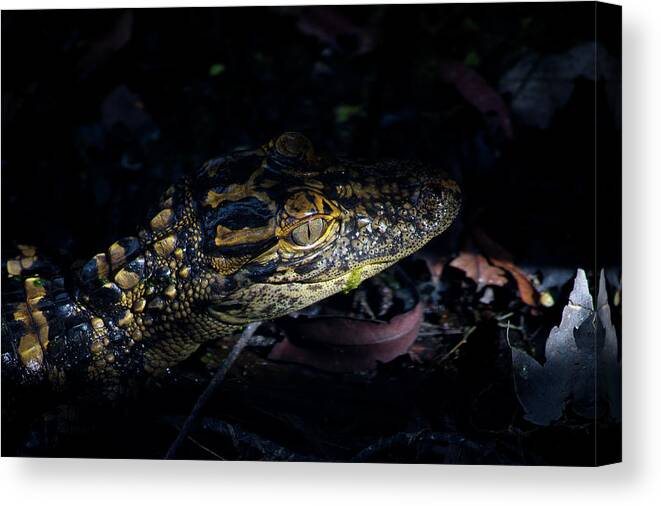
x=253, y=236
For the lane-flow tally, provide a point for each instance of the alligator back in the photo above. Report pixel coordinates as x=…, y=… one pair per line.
x=43, y=329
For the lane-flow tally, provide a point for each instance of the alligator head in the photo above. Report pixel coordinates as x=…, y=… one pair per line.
x=282, y=227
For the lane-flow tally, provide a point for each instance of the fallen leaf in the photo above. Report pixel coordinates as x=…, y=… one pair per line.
x=329, y=27
x=434, y=263
x=478, y=92
x=123, y=106
x=527, y=292
x=500, y=257
x=540, y=85
x=478, y=268
x=103, y=47
x=609, y=365
x=584, y=340
x=341, y=344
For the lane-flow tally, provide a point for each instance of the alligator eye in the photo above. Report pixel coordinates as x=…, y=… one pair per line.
x=309, y=232
x=293, y=144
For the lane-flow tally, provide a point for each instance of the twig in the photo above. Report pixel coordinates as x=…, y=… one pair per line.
x=458, y=345
x=505, y=316
x=215, y=382
x=445, y=447
x=398, y=443
x=246, y=442
x=197, y=443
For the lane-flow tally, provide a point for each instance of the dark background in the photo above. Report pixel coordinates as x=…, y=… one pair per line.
x=103, y=109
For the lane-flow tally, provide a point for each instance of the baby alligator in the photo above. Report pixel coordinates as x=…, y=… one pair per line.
x=253, y=236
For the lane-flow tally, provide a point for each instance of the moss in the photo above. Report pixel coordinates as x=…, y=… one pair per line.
x=353, y=280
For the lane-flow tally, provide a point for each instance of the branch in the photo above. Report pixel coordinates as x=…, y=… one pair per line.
x=215, y=382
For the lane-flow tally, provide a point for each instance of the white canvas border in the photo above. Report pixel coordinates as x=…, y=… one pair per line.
x=72, y=482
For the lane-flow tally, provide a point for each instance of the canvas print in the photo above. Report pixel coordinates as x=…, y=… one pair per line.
x=376, y=233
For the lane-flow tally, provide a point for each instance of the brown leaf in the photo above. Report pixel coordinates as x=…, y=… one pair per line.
x=434, y=263
x=527, y=292
x=502, y=258
x=123, y=106
x=479, y=270
x=489, y=248
x=107, y=44
x=478, y=92
x=329, y=26
x=342, y=344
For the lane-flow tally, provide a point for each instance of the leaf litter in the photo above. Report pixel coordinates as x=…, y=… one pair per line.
x=581, y=371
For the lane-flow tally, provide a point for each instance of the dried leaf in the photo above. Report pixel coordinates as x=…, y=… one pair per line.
x=500, y=257
x=123, y=106
x=479, y=270
x=107, y=44
x=478, y=92
x=572, y=353
x=329, y=26
x=342, y=344
x=540, y=85
x=610, y=368
x=527, y=292
x=434, y=262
